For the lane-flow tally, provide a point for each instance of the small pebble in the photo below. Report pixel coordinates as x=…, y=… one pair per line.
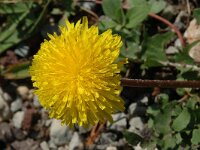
x=44, y=145
x=17, y=119
x=23, y=91
x=111, y=148
x=16, y=105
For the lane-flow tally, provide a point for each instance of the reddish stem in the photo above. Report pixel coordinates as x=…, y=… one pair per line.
x=170, y=25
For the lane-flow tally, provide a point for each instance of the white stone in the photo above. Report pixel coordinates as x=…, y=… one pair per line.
x=138, y=147
x=7, y=97
x=132, y=108
x=60, y=134
x=119, y=120
x=44, y=145
x=144, y=100
x=23, y=91
x=17, y=119
x=111, y=148
x=76, y=142
x=16, y=105
x=136, y=125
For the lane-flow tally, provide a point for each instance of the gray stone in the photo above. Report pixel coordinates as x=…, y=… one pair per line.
x=4, y=109
x=16, y=105
x=60, y=134
x=178, y=43
x=83, y=130
x=108, y=138
x=136, y=125
x=120, y=122
x=171, y=50
x=28, y=144
x=17, y=119
x=76, y=142
x=66, y=147
x=36, y=102
x=7, y=97
x=44, y=145
x=52, y=145
x=5, y=132
x=19, y=134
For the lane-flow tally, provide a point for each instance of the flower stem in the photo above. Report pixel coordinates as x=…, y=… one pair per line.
x=160, y=83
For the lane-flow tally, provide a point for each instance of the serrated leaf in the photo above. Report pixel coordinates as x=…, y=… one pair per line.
x=132, y=138
x=157, y=5
x=113, y=9
x=195, y=136
x=153, y=49
x=182, y=120
x=183, y=56
x=196, y=14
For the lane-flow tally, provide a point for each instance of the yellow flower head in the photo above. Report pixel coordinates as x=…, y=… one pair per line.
x=75, y=74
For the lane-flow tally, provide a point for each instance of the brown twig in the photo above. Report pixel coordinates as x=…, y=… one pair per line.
x=160, y=83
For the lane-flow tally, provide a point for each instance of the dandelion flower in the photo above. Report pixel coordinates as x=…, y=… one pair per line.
x=75, y=74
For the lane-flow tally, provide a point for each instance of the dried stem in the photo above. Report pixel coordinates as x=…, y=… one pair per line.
x=160, y=83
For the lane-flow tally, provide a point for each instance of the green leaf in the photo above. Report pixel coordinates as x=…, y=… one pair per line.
x=195, y=136
x=196, y=14
x=132, y=138
x=192, y=101
x=183, y=56
x=177, y=110
x=19, y=71
x=163, y=119
x=135, y=3
x=106, y=23
x=153, y=110
x=14, y=8
x=137, y=15
x=157, y=5
x=131, y=51
x=169, y=142
x=178, y=138
x=113, y=9
x=182, y=120
x=153, y=49
x=163, y=98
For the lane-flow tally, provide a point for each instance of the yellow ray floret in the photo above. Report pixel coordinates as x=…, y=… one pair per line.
x=75, y=74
